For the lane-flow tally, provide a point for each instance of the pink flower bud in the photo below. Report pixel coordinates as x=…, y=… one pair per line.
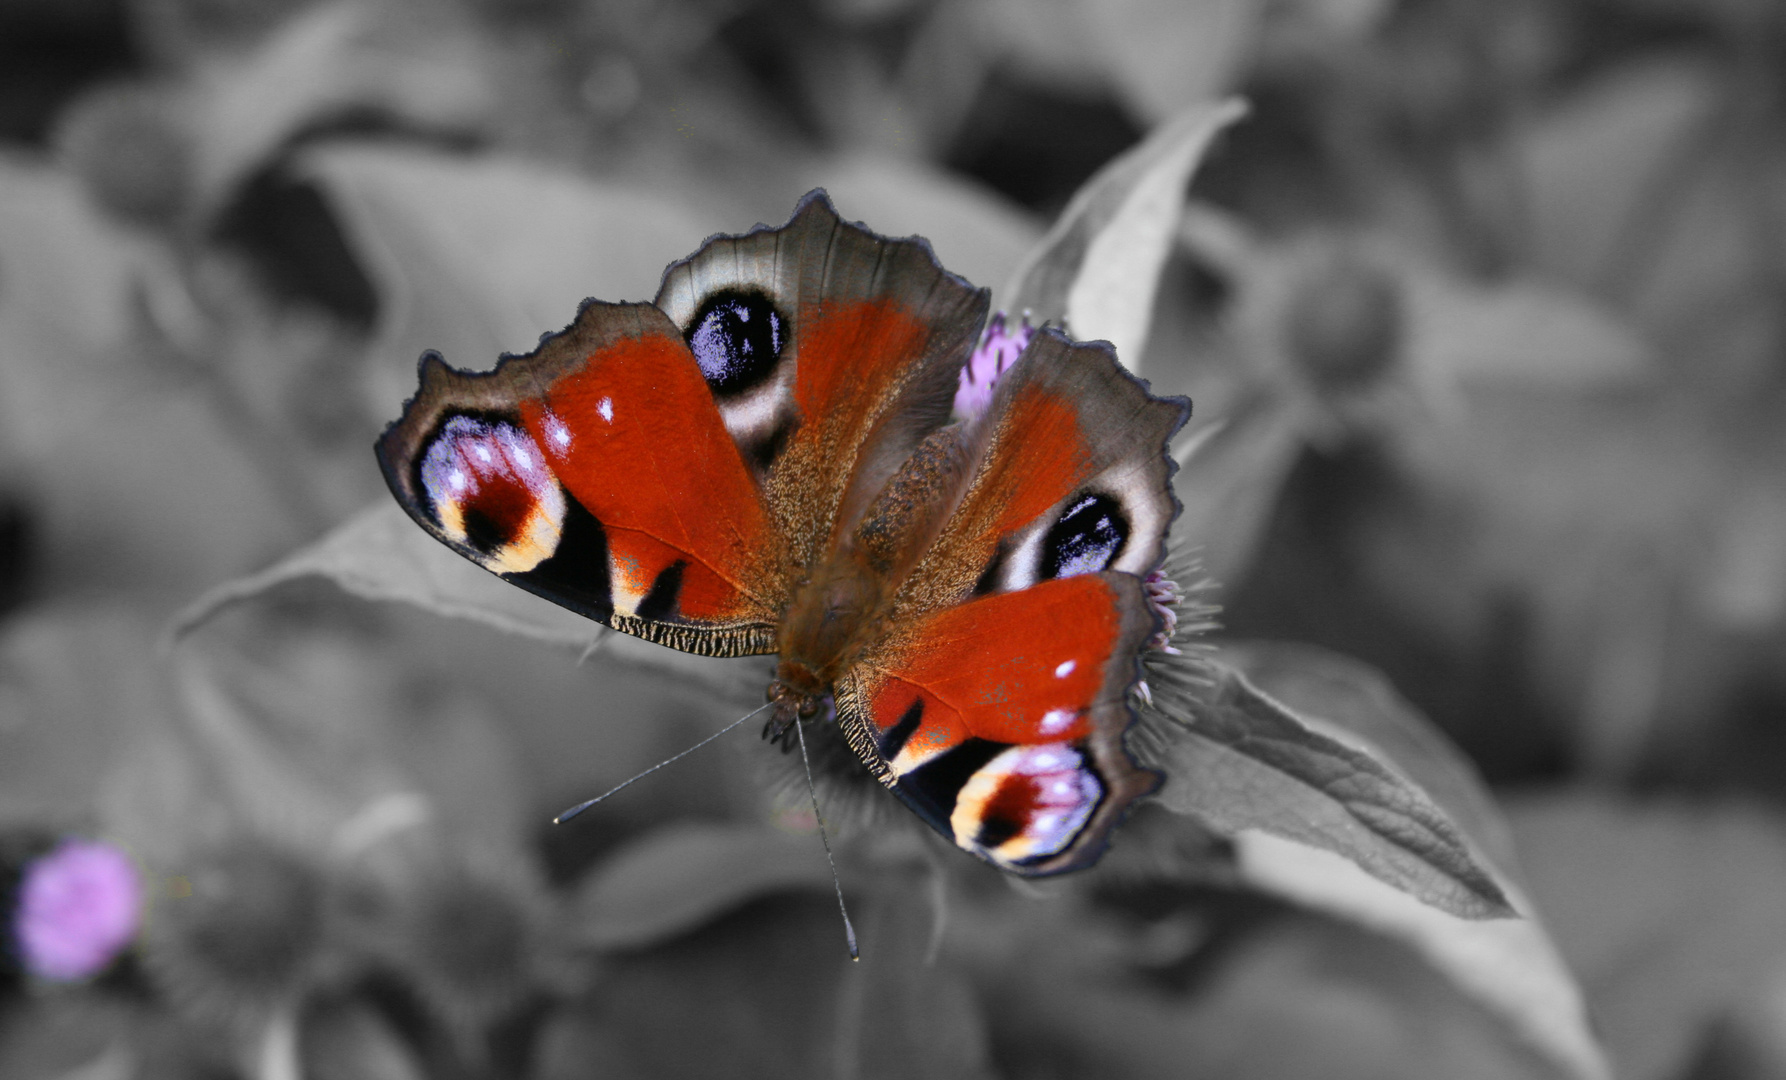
x=999, y=349
x=79, y=906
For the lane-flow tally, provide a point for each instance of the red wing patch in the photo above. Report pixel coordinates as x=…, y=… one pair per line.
x=855, y=352
x=1000, y=721
x=636, y=439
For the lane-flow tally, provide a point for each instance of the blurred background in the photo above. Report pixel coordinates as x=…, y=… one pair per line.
x=1482, y=306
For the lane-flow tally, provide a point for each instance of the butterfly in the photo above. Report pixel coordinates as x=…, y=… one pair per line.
x=762, y=460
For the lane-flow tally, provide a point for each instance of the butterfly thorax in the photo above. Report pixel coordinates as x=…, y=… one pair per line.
x=824, y=628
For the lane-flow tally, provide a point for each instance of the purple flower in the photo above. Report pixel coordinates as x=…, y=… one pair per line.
x=999, y=349
x=79, y=905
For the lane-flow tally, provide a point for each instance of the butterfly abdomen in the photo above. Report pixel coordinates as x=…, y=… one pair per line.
x=826, y=624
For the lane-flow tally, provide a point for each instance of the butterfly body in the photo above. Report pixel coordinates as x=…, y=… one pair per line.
x=763, y=461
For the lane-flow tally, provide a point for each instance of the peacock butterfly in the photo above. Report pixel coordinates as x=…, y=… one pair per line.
x=763, y=460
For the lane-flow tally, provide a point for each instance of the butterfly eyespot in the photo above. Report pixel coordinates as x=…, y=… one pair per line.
x=737, y=337
x=488, y=488
x=1027, y=803
x=1087, y=538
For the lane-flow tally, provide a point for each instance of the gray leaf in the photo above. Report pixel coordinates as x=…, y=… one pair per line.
x=1099, y=265
x=1247, y=762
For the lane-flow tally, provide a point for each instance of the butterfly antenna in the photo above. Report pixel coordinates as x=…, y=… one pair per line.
x=582, y=806
x=848, y=930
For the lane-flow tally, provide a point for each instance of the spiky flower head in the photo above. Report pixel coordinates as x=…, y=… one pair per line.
x=240, y=932
x=1175, y=664
x=472, y=935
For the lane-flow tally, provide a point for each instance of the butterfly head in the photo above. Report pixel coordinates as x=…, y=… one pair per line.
x=797, y=696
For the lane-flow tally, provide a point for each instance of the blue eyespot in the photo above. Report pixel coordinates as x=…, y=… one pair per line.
x=1087, y=538
x=737, y=337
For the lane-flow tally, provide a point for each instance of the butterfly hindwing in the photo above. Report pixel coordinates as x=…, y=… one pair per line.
x=1000, y=721
x=996, y=710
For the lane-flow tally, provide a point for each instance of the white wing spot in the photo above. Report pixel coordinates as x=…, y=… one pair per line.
x=457, y=479
x=523, y=457
x=606, y=407
x=483, y=453
x=1065, y=669
x=1054, y=721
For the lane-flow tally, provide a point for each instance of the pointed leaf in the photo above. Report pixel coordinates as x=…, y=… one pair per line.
x=755, y=995
x=900, y=1013
x=1250, y=763
x=1319, y=817
x=1334, y=693
x=1099, y=265
x=1251, y=989
x=380, y=554
x=257, y=773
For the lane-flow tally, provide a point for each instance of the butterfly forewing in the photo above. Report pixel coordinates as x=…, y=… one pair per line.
x=596, y=472
x=876, y=335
